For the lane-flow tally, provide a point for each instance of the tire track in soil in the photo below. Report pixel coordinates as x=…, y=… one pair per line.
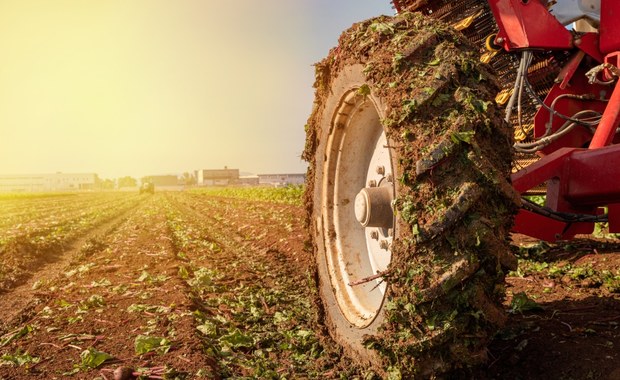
x=265, y=228
x=249, y=249
x=263, y=279
x=107, y=299
x=15, y=302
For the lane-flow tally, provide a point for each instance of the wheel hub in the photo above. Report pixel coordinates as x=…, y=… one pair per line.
x=357, y=216
x=373, y=207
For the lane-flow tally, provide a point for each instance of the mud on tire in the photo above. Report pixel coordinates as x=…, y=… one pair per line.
x=421, y=84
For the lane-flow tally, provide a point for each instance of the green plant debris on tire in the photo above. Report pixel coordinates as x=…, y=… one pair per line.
x=454, y=204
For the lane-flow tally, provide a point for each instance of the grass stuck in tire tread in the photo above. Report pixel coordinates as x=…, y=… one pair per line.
x=454, y=204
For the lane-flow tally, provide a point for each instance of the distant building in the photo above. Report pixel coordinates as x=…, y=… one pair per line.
x=217, y=177
x=281, y=179
x=162, y=180
x=48, y=182
x=248, y=180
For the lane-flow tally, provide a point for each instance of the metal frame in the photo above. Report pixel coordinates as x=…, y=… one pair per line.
x=528, y=24
x=581, y=169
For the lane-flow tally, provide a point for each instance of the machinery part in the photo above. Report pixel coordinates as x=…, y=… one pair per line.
x=567, y=11
x=544, y=68
x=147, y=187
x=417, y=292
x=557, y=96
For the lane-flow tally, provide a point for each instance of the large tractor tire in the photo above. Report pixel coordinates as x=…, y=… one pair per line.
x=408, y=200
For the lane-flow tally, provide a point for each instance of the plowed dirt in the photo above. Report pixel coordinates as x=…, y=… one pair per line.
x=225, y=287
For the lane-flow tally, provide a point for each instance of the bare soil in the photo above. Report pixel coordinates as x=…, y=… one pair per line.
x=254, y=315
x=576, y=332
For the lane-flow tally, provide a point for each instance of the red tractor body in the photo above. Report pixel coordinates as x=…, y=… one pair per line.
x=579, y=164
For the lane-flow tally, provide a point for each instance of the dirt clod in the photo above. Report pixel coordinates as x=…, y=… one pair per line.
x=123, y=373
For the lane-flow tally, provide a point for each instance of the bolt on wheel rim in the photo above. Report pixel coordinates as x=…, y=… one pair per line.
x=357, y=217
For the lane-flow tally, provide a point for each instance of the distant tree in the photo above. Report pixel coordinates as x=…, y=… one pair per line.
x=106, y=184
x=188, y=179
x=127, y=182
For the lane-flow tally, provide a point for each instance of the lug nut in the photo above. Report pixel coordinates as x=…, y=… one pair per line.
x=372, y=183
x=374, y=235
x=383, y=244
x=389, y=178
x=381, y=170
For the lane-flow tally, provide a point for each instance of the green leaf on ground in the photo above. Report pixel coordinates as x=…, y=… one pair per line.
x=521, y=302
x=137, y=308
x=203, y=279
x=183, y=273
x=147, y=277
x=236, y=339
x=18, y=359
x=93, y=301
x=14, y=335
x=92, y=358
x=145, y=343
x=207, y=328
x=104, y=282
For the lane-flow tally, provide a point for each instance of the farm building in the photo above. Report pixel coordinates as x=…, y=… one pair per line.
x=162, y=180
x=248, y=180
x=48, y=182
x=281, y=179
x=217, y=177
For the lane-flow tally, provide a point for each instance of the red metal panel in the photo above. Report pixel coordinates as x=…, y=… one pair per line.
x=577, y=229
x=568, y=71
x=594, y=176
x=528, y=24
x=540, y=171
x=538, y=226
x=609, y=122
x=591, y=177
x=613, y=211
x=589, y=43
x=541, y=227
x=610, y=27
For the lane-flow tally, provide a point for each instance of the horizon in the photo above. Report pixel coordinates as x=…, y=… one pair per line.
x=242, y=173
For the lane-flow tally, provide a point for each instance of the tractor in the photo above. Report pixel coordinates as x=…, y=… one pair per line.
x=432, y=131
x=147, y=187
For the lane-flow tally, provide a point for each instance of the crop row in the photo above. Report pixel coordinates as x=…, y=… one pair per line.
x=16, y=203
x=33, y=211
x=24, y=246
x=244, y=215
x=252, y=284
x=287, y=195
x=127, y=272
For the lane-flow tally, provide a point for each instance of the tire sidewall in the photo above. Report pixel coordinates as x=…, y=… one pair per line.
x=347, y=335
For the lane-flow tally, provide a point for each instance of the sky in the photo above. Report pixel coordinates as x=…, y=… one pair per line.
x=146, y=87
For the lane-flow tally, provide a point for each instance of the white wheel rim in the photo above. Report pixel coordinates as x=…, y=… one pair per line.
x=356, y=151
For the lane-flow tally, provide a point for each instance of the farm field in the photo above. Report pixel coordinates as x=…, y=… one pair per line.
x=219, y=284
